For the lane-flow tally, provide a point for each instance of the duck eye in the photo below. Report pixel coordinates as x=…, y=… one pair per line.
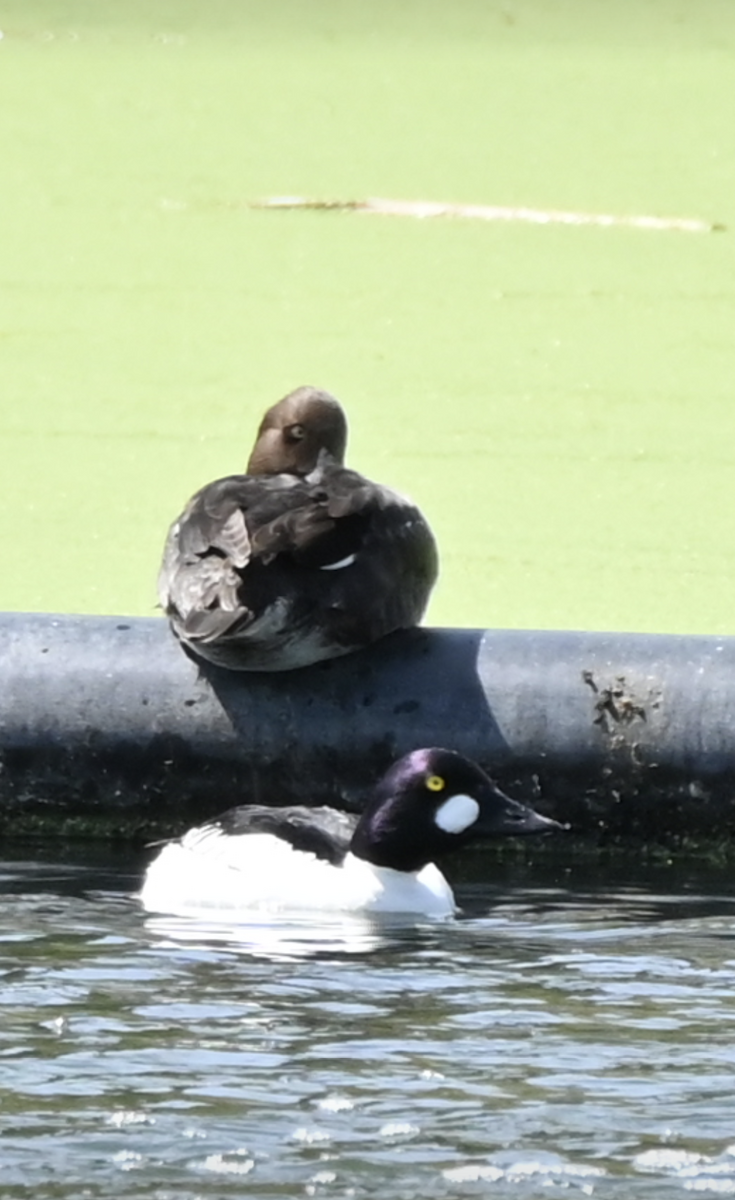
x=295, y=433
x=435, y=783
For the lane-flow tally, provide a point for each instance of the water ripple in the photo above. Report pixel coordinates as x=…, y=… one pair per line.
x=550, y=1038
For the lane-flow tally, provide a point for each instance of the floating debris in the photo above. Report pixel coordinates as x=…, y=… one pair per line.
x=421, y=209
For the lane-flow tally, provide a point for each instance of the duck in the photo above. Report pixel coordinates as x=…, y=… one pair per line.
x=300, y=559
x=256, y=859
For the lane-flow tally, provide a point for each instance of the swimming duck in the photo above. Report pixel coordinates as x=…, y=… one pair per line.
x=299, y=859
x=300, y=559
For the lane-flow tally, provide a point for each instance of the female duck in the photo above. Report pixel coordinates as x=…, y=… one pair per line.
x=318, y=859
x=300, y=559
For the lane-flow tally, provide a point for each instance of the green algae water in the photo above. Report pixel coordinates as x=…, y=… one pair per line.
x=559, y=399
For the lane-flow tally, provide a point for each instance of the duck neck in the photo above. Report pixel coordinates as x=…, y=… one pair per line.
x=379, y=840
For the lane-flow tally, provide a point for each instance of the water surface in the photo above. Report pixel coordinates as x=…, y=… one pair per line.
x=566, y=1033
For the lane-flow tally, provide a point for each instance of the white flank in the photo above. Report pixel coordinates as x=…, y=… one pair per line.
x=457, y=813
x=209, y=874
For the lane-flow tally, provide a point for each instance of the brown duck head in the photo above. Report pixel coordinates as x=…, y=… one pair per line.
x=294, y=432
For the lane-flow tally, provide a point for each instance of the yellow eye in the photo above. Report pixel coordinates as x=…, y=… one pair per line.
x=435, y=783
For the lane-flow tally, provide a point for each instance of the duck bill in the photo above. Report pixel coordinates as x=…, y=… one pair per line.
x=503, y=816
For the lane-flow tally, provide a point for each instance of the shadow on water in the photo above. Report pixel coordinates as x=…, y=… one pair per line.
x=588, y=893
x=69, y=870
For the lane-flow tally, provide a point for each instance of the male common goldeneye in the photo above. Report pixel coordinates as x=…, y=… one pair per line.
x=300, y=559
x=300, y=859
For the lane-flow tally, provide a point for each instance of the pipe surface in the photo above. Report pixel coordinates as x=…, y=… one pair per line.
x=109, y=720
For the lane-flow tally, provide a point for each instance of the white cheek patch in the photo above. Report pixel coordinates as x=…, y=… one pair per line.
x=457, y=813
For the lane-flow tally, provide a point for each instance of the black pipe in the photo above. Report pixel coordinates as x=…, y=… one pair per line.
x=106, y=725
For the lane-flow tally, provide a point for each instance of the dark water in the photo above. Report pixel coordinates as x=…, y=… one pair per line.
x=567, y=1033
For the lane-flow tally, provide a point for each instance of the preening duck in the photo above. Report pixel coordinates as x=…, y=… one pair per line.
x=298, y=859
x=300, y=559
